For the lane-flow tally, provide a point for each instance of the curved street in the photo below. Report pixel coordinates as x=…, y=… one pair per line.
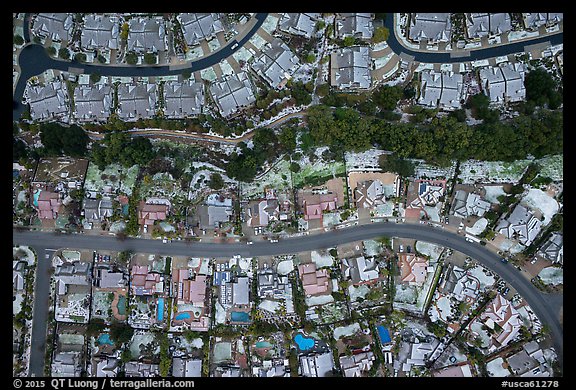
x=454, y=56
x=547, y=307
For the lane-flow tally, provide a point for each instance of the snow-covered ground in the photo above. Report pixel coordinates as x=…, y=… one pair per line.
x=285, y=267
x=472, y=171
x=372, y=247
x=440, y=309
x=552, y=275
x=357, y=292
x=493, y=192
x=484, y=276
x=24, y=253
x=429, y=249
x=552, y=167
x=319, y=300
x=538, y=199
x=141, y=339
x=220, y=313
x=363, y=161
x=268, y=305
x=434, y=212
x=17, y=303
x=346, y=330
x=496, y=368
x=423, y=170
x=322, y=259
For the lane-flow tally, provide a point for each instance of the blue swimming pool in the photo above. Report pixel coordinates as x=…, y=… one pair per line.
x=304, y=343
x=160, y=312
x=36, y=196
x=239, y=316
x=105, y=339
x=263, y=344
x=384, y=334
x=182, y=316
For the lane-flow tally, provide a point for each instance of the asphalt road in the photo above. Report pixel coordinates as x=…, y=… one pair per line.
x=34, y=60
x=547, y=307
x=431, y=57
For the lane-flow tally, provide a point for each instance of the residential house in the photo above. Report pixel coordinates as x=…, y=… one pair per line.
x=48, y=102
x=272, y=368
x=503, y=319
x=441, y=89
x=350, y=68
x=240, y=291
x=148, y=213
x=137, y=101
x=217, y=209
x=357, y=25
x=18, y=271
x=143, y=282
x=357, y=365
x=106, y=367
x=521, y=225
x=458, y=282
x=188, y=290
x=504, y=83
x=318, y=365
x=301, y=24
x=360, y=270
x=370, y=189
x=456, y=371
x=270, y=284
x=75, y=273
x=553, y=248
x=199, y=26
x=97, y=210
x=426, y=193
x=521, y=362
x=104, y=278
x=48, y=204
x=141, y=370
x=56, y=26
x=420, y=352
x=146, y=35
x=92, y=102
x=233, y=93
x=183, y=99
x=315, y=204
x=413, y=268
x=536, y=20
x=73, y=283
x=60, y=173
x=66, y=364
x=262, y=212
x=466, y=204
x=430, y=28
x=314, y=282
x=276, y=64
x=100, y=32
x=186, y=367
x=480, y=25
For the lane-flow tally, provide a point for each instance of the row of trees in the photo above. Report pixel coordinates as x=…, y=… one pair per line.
x=440, y=140
x=60, y=140
x=120, y=148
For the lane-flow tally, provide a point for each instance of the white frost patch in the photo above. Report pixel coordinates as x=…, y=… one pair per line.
x=495, y=368
x=538, y=199
x=433, y=212
x=372, y=248
x=478, y=227
x=285, y=267
x=268, y=305
x=484, y=276
x=346, y=330
x=552, y=167
x=194, y=262
x=220, y=313
x=493, y=192
x=17, y=303
x=552, y=275
x=357, y=292
x=26, y=254
x=240, y=347
x=516, y=248
x=473, y=171
x=440, y=309
x=140, y=339
x=204, y=267
x=505, y=243
x=429, y=249
x=322, y=260
x=319, y=300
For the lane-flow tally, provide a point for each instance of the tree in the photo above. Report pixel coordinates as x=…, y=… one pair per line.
x=294, y=167
x=323, y=89
x=387, y=97
x=310, y=58
x=18, y=40
x=95, y=77
x=393, y=163
x=131, y=58
x=186, y=74
x=95, y=326
x=51, y=51
x=287, y=139
x=541, y=88
x=64, y=53
x=124, y=32
x=80, y=57
x=216, y=182
x=121, y=332
x=348, y=41
x=150, y=58
x=381, y=34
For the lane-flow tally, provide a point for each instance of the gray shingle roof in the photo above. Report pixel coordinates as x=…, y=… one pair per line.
x=350, y=68
x=136, y=101
x=48, y=101
x=232, y=93
x=275, y=62
x=354, y=25
x=53, y=25
x=535, y=20
x=146, y=35
x=100, y=32
x=199, y=26
x=183, y=99
x=298, y=23
x=430, y=27
x=92, y=102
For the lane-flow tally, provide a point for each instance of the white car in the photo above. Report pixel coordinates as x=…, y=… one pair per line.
x=164, y=240
x=250, y=242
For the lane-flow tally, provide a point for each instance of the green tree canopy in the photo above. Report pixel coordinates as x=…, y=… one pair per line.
x=216, y=181
x=381, y=34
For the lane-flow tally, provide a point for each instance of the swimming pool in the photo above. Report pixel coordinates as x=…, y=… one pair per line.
x=263, y=344
x=105, y=339
x=304, y=343
x=121, y=305
x=182, y=316
x=36, y=196
x=239, y=316
x=384, y=334
x=160, y=312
